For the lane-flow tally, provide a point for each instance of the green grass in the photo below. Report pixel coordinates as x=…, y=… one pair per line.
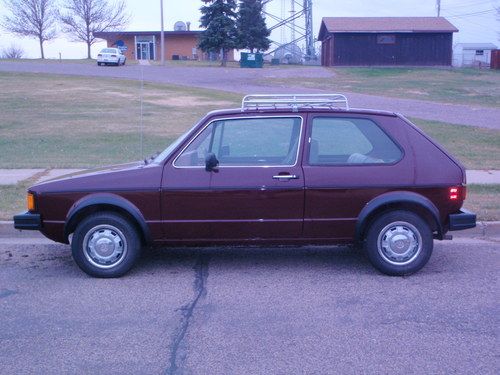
x=12, y=200
x=483, y=200
x=50, y=61
x=476, y=148
x=52, y=121
x=456, y=86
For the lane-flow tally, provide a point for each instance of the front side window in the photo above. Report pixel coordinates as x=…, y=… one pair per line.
x=350, y=141
x=268, y=141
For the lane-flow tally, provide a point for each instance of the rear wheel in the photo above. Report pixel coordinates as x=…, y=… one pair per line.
x=105, y=245
x=98, y=64
x=399, y=243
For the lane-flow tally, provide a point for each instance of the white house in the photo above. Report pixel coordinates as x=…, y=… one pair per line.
x=472, y=54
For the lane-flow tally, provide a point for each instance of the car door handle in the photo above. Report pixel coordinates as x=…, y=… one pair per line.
x=286, y=177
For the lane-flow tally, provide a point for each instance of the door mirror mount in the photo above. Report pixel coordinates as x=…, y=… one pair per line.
x=211, y=162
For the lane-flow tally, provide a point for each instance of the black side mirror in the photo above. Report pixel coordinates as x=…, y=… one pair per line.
x=211, y=162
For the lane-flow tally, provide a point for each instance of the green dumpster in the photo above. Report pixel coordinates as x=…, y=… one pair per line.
x=251, y=60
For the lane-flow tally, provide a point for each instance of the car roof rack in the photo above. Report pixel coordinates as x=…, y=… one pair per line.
x=294, y=101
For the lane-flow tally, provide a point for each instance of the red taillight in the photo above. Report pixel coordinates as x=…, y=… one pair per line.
x=457, y=193
x=453, y=193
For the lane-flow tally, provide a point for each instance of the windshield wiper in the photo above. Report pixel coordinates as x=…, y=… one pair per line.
x=151, y=158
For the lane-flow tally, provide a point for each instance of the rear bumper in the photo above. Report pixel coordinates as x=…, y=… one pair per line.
x=28, y=221
x=462, y=219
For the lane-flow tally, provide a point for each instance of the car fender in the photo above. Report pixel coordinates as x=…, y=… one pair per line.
x=106, y=199
x=392, y=199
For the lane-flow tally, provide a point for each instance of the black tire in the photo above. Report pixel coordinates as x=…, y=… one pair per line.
x=105, y=245
x=399, y=243
x=98, y=64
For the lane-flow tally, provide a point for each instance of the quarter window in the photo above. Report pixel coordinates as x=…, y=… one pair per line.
x=350, y=141
x=245, y=142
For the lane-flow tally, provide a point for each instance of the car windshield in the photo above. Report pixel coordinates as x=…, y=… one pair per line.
x=165, y=153
x=108, y=50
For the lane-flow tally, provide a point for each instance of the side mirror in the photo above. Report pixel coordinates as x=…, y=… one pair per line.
x=211, y=162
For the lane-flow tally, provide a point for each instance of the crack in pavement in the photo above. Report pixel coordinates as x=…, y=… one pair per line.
x=201, y=274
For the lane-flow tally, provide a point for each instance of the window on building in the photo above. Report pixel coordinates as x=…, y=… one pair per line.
x=479, y=52
x=386, y=39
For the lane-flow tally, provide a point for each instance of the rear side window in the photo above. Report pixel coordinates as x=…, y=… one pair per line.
x=350, y=141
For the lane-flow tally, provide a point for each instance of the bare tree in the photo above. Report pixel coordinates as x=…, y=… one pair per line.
x=12, y=52
x=31, y=18
x=83, y=18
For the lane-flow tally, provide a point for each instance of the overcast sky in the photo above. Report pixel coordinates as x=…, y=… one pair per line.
x=475, y=19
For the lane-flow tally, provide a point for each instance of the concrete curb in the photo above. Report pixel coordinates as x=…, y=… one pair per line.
x=482, y=229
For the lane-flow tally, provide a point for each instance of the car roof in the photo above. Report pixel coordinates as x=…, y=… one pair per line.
x=303, y=110
x=297, y=103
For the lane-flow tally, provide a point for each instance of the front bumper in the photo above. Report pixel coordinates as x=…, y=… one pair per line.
x=28, y=221
x=462, y=219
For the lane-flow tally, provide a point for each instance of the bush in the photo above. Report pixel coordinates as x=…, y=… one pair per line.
x=12, y=52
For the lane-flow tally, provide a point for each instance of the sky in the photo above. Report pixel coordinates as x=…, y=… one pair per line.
x=476, y=20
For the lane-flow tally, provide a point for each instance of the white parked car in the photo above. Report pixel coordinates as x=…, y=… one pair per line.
x=111, y=56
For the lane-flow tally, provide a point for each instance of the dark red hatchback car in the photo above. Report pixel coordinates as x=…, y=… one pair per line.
x=282, y=169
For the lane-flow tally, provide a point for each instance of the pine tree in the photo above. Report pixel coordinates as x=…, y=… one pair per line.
x=219, y=20
x=251, y=26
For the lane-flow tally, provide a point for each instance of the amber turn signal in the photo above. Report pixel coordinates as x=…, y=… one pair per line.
x=30, y=200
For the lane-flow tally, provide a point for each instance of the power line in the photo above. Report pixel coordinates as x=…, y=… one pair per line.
x=468, y=5
x=471, y=14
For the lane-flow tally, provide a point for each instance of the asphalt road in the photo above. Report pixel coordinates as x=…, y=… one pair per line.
x=244, y=310
x=253, y=81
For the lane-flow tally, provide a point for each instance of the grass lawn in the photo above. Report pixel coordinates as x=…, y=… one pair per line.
x=52, y=121
x=65, y=61
x=13, y=199
x=476, y=148
x=466, y=85
x=483, y=200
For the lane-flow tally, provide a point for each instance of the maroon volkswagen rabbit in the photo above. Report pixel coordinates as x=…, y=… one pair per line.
x=282, y=169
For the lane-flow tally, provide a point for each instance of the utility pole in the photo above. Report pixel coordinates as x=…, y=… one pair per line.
x=162, y=36
x=438, y=7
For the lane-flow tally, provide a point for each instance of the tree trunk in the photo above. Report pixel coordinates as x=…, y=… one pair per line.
x=41, y=48
x=88, y=50
x=223, y=57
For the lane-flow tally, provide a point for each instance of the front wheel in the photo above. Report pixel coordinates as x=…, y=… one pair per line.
x=105, y=245
x=399, y=243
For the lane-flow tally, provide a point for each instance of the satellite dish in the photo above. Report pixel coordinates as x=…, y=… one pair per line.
x=180, y=26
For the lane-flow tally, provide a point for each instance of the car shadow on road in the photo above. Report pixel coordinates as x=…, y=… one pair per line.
x=333, y=258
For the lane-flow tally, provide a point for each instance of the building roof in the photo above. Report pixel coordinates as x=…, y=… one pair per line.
x=476, y=46
x=109, y=34
x=385, y=24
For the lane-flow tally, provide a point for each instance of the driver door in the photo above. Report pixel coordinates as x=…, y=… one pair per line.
x=255, y=193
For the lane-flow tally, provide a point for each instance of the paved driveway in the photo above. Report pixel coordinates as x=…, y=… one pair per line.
x=266, y=311
x=248, y=81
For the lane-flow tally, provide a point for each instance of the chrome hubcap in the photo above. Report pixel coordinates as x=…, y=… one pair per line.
x=105, y=246
x=399, y=243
